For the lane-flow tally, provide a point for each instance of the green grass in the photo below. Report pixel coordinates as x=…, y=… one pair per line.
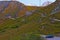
x=31, y=24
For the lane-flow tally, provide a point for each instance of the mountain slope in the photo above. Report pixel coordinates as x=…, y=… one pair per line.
x=29, y=20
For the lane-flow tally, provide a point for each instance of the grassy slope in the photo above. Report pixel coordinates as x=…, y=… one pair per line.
x=10, y=29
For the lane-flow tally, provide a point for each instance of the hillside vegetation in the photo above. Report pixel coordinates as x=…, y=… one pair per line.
x=18, y=21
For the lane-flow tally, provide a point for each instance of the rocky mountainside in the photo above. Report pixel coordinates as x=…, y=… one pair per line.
x=18, y=21
x=9, y=8
x=13, y=9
